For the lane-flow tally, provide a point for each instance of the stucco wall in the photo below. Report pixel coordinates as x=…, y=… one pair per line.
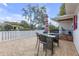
x=71, y=7
x=76, y=34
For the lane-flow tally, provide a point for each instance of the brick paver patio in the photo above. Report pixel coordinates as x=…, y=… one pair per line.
x=26, y=47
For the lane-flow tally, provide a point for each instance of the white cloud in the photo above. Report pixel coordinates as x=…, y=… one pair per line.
x=14, y=18
x=5, y=15
x=5, y=4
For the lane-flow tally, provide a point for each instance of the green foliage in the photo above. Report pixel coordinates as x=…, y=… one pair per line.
x=36, y=14
x=62, y=10
x=16, y=24
x=53, y=28
x=24, y=24
x=8, y=27
x=0, y=28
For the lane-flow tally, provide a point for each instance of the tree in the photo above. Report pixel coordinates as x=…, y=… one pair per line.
x=35, y=14
x=62, y=10
x=53, y=28
x=28, y=13
x=0, y=27
x=24, y=24
x=8, y=27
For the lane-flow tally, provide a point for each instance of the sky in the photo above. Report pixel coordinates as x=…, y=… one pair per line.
x=13, y=11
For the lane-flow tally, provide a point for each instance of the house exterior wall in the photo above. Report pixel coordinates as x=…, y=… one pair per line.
x=76, y=32
x=71, y=7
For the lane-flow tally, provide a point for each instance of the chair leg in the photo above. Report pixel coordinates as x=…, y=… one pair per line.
x=36, y=43
x=46, y=51
x=38, y=48
x=58, y=43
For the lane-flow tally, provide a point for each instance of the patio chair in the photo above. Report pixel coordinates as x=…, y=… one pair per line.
x=56, y=39
x=46, y=41
x=41, y=39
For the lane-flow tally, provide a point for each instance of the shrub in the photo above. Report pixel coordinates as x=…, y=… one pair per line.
x=53, y=28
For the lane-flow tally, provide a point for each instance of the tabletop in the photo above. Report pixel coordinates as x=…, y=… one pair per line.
x=48, y=35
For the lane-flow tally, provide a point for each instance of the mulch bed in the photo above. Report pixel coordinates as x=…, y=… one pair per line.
x=66, y=37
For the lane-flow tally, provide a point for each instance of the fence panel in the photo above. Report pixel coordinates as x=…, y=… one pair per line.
x=13, y=35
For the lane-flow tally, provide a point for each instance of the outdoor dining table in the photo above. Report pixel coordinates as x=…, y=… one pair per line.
x=49, y=39
x=53, y=33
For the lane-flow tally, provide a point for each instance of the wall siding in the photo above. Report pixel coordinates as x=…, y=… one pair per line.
x=76, y=34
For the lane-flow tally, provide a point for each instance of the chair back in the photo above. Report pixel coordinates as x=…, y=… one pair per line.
x=57, y=36
x=41, y=37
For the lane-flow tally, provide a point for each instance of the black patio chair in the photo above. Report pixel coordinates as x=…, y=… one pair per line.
x=56, y=39
x=41, y=39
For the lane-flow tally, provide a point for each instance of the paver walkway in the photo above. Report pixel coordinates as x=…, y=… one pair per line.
x=26, y=47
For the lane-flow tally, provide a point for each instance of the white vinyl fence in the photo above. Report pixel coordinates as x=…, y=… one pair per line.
x=13, y=35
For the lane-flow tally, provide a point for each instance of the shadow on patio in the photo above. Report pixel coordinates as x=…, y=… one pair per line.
x=66, y=48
